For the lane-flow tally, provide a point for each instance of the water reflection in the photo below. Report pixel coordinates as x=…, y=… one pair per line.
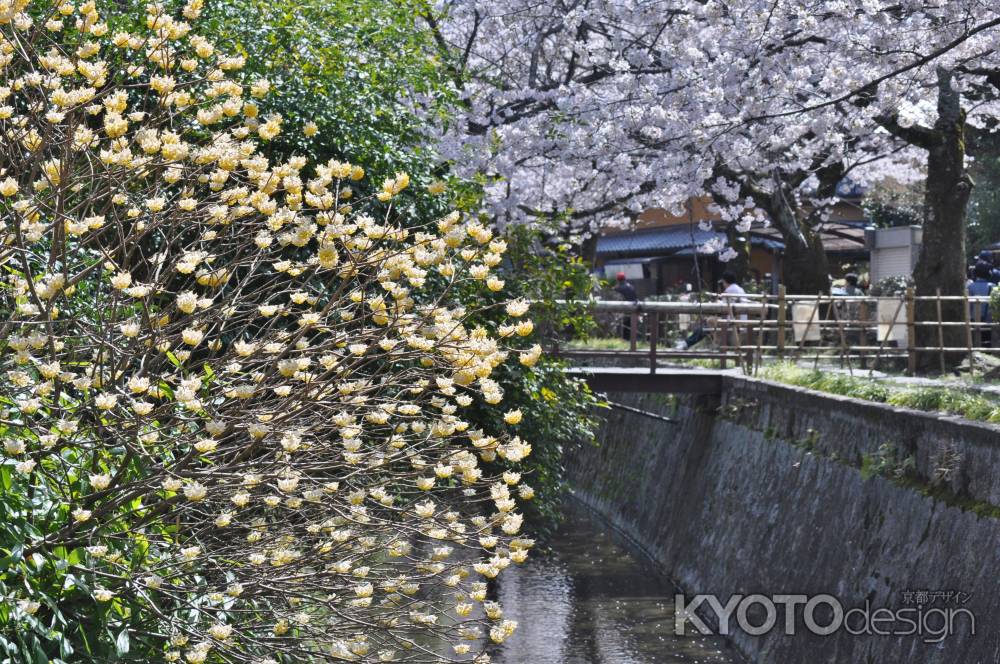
x=594, y=601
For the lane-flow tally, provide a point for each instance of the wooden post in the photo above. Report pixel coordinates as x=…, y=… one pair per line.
x=888, y=333
x=760, y=333
x=819, y=325
x=781, y=319
x=812, y=316
x=940, y=320
x=634, y=332
x=724, y=341
x=977, y=332
x=864, y=317
x=911, y=333
x=739, y=341
x=968, y=333
x=844, y=352
x=653, y=320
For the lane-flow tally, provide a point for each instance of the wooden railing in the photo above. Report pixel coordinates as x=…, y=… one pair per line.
x=749, y=329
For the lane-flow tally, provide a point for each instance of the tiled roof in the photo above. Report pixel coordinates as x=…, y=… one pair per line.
x=666, y=241
x=657, y=240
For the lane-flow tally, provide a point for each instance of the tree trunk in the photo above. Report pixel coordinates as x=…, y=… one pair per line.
x=805, y=268
x=941, y=263
x=740, y=242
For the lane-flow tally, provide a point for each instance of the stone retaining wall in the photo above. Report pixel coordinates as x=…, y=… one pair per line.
x=778, y=490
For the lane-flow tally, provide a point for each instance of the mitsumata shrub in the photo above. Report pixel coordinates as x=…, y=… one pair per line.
x=232, y=394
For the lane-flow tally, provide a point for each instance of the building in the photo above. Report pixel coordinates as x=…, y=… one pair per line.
x=894, y=251
x=660, y=253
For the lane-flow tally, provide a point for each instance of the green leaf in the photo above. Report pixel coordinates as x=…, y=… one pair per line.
x=13, y=557
x=122, y=643
x=38, y=652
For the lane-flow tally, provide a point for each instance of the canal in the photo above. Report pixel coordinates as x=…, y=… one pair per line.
x=587, y=596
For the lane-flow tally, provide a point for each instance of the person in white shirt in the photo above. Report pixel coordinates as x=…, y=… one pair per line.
x=731, y=286
x=736, y=334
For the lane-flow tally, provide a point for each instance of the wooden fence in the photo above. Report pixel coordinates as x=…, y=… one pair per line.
x=749, y=329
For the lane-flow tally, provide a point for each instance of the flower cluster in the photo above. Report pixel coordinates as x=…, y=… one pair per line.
x=618, y=106
x=235, y=387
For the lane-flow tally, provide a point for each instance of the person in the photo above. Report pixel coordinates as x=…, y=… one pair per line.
x=982, y=286
x=731, y=286
x=697, y=334
x=986, y=256
x=736, y=334
x=851, y=289
x=625, y=288
x=628, y=293
x=698, y=330
x=850, y=311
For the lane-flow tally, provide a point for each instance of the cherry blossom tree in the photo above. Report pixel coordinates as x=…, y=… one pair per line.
x=557, y=113
x=893, y=61
x=589, y=112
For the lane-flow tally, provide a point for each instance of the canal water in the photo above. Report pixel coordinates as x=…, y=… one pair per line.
x=594, y=599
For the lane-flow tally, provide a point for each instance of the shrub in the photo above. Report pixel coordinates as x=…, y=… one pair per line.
x=918, y=399
x=944, y=399
x=232, y=408
x=891, y=286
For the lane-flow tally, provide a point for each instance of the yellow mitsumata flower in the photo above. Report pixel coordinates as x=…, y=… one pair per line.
x=242, y=366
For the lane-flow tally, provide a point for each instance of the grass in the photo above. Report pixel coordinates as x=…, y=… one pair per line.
x=943, y=399
x=949, y=400
x=600, y=343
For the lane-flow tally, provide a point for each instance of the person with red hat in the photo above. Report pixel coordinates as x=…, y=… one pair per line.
x=625, y=288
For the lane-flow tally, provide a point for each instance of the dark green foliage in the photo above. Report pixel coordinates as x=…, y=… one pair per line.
x=355, y=69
